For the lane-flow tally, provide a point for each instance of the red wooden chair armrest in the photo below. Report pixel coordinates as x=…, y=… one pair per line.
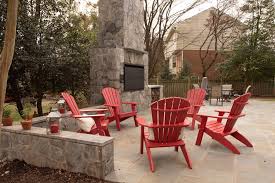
x=89, y=116
x=219, y=118
x=111, y=105
x=142, y=122
x=93, y=110
x=204, y=116
x=131, y=103
x=222, y=111
x=211, y=116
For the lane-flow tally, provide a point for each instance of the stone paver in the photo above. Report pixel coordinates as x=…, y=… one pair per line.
x=212, y=163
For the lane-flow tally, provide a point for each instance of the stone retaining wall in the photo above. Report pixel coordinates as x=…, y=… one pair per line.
x=75, y=152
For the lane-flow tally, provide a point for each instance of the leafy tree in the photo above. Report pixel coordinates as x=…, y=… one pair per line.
x=253, y=57
x=74, y=61
x=51, y=49
x=166, y=73
x=40, y=27
x=185, y=71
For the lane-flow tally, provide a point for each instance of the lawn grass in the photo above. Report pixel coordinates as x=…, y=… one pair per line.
x=46, y=105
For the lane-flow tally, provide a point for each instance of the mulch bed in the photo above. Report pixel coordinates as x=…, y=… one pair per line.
x=18, y=171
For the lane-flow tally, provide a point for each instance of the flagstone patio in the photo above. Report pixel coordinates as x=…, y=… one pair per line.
x=212, y=163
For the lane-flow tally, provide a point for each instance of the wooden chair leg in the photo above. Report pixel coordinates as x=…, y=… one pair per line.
x=135, y=119
x=193, y=124
x=149, y=155
x=228, y=144
x=117, y=123
x=107, y=133
x=177, y=148
x=186, y=156
x=141, y=139
x=199, y=137
x=242, y=139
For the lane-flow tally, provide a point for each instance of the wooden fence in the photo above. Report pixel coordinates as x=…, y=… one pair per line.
x=180, y=87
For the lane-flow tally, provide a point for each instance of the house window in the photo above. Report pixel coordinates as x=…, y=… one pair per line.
x=174, y=61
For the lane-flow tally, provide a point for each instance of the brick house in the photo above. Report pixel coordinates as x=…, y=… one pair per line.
x=185, y=39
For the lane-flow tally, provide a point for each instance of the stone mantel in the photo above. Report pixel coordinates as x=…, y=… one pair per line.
x=135, y=51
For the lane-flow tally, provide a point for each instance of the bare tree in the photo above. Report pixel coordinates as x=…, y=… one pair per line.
x=219, y=35
x=159, y=17
x=8, y=50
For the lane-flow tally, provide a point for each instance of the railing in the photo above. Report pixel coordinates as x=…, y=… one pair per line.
x=180, y=87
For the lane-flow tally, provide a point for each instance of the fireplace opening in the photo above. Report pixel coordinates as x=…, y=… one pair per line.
x=133, y=77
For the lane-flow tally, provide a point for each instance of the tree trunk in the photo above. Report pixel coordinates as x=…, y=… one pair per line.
x=15, y=90
x=39, y=105
x=19, y=105
x=8, y=50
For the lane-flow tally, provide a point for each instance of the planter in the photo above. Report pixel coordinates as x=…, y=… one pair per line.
x=26, y=124
x=7, y=121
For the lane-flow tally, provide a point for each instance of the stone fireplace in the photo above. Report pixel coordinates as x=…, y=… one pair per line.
x=120, y=59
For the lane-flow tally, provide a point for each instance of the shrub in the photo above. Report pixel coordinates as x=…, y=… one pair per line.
x=27, y=112
x=6, y=112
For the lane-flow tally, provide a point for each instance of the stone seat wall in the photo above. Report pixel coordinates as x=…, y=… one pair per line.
x=75, y=152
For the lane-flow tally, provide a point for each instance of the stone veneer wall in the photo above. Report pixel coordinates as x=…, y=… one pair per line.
x=107, y=66
x=120, y=41
x=89, y=154
x=121, y=24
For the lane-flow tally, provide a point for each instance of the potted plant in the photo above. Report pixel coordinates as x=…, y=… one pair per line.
x=7, y=120
x=27, y=117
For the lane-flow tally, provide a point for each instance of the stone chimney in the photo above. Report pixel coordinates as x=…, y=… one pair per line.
x=120, y=47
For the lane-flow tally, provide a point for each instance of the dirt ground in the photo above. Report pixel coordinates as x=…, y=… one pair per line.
x=18, y=171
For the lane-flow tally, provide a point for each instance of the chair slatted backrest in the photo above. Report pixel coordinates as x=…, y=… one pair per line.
x=216, y=91
x=227, y=87
x=236, y=109
x=169, y=111
x=195, y=97
x=71, y=103
x=112, y=97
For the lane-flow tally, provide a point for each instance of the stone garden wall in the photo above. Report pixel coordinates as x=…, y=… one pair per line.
x=75, y=152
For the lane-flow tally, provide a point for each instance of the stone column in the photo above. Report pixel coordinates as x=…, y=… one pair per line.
x=120, y=41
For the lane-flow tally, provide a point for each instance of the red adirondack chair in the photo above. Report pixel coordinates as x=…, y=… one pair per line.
x=195, y=98
x=113, y=102
x=166, y=130
x=219, y=131
x=101, y=125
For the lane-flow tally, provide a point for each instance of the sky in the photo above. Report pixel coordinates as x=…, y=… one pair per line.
x=179, y=4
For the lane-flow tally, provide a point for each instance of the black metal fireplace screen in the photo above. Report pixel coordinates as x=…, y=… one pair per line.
x=133, y=77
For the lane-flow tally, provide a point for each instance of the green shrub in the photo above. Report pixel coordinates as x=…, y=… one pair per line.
x=27, y=112
x=6, y=112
